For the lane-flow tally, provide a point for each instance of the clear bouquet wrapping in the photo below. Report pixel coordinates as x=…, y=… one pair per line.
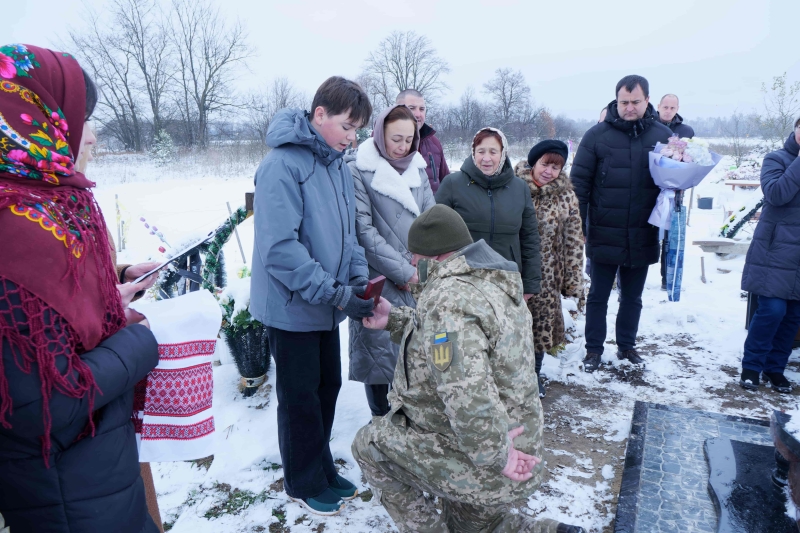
x=677, y=166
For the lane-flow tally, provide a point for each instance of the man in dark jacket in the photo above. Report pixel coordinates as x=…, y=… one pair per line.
x=308, y=273
x=668, y=115
x=429, y=146
x=616, y=193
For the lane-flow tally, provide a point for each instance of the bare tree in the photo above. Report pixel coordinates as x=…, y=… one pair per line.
x=114, y=71
x=545, y=125
x=510, y=95
x=379, y=93
x=567, y=128
x=782, y=104
x=279, y=95
x=208, y=51
x=144, y=38
x=404, y=60
x=737, y=130
x=470, y=113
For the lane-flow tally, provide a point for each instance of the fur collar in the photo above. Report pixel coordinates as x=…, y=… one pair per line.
x=386, y=180
x=558, y=186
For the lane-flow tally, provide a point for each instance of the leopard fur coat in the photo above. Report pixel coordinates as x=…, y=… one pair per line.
x=561, y=236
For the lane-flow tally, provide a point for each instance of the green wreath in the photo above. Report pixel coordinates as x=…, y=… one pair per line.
x=212, y=269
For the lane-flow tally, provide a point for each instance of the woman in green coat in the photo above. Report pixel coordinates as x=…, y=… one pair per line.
x=496, y=205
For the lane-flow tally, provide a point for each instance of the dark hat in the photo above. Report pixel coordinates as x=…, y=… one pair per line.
x=437, y=231
x=550, y=146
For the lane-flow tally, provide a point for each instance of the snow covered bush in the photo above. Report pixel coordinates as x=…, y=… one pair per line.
x=235, y=303
x=163, y=150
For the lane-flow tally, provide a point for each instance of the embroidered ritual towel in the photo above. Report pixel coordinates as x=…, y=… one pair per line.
x=172, y=406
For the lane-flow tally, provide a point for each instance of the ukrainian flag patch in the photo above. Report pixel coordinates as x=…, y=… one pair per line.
x=440, y=338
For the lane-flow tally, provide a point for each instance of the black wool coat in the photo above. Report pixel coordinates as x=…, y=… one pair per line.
x=611, y=177
x=772, y=267
x=93, y=484
x=499, y=210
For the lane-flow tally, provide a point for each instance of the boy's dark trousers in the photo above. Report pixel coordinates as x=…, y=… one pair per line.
x=308, y=375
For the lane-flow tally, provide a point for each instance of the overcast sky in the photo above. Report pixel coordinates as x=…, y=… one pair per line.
x=713, y=53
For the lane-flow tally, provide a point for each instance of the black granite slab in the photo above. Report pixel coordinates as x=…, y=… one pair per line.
x=665, y=478
x=787, y=438
x=740, y=485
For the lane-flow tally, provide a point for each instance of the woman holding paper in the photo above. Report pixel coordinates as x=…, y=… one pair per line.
x=129, y=291
x=392, y=189
x=69, y=363
x=772, y=269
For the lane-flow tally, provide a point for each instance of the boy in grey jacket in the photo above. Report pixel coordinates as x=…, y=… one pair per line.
x=308, y=271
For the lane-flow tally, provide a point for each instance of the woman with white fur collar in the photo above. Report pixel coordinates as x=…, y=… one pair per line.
x=392, y=190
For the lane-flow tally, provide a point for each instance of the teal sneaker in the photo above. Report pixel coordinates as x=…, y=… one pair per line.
x=343, y=488
x=328, y=503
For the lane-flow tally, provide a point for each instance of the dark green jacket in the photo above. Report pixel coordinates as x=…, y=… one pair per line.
x=500, y=211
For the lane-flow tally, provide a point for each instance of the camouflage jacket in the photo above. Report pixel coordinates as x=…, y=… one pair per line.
x=464, y=378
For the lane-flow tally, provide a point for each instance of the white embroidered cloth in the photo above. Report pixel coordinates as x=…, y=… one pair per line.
x=172, y=407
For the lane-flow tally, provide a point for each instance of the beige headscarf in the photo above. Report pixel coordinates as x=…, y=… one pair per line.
x=503, y=144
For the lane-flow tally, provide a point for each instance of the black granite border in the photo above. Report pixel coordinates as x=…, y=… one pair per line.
x=628, y=501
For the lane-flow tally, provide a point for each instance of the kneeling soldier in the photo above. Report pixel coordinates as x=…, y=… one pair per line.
x=465, y=422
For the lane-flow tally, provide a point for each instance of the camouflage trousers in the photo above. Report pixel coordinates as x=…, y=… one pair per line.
x=403, y=496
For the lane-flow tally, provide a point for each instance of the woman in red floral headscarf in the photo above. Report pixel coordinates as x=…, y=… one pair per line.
x=68, y=452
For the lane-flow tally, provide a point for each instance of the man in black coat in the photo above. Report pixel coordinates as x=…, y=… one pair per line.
x=611, y=177
x=668, y=115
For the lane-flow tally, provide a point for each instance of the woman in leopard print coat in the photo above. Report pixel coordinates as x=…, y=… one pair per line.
x=561, y=243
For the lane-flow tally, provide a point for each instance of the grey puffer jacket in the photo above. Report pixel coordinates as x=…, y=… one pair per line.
x=772, y=267
x=304, y=229
x=387, y=203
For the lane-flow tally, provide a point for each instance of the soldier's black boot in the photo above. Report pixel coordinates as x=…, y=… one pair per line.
x=566, y=528
x=539, y=359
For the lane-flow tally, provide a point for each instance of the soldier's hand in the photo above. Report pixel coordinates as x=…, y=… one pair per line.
x=519, y=466
x=380, y=315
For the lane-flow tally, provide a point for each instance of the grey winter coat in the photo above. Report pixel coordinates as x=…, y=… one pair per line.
x=386, y=206
x=305, y=238
x=772, y=267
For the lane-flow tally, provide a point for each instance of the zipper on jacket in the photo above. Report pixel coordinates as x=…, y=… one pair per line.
x=491, y=230
x=346, y=201
x=341, y=219
x=347, y=204
x=433, y=166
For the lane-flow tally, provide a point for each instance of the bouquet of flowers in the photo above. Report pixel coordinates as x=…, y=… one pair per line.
x=679, y=165
x=686, y=151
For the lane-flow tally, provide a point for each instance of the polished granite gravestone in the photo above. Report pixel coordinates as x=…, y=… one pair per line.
x=742, y=489
x=787, y=457
x=665, y=479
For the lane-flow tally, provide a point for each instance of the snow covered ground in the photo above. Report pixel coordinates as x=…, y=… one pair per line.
x=693, y=349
